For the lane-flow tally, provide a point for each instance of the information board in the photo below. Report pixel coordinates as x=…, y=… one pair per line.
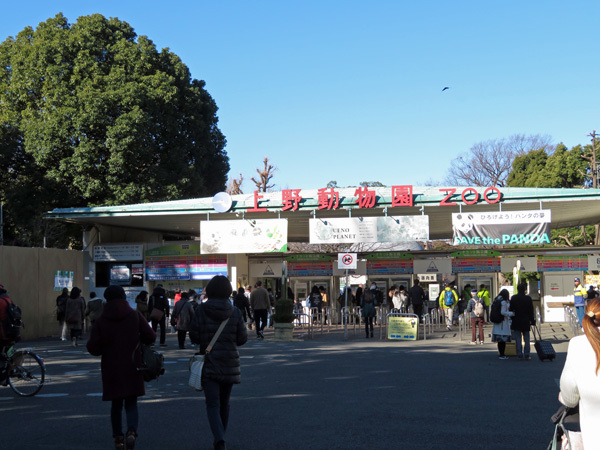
x=403, y=328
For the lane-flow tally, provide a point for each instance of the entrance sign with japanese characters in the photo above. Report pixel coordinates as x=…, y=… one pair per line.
x=369, y=229
x=502, y=228
x=243, y=236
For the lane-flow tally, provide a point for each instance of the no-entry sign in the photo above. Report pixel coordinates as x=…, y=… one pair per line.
x=346, y=261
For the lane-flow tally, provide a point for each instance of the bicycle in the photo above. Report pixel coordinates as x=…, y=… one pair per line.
x=23, y=370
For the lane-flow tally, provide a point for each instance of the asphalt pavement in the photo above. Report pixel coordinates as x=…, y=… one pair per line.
x=325, y=392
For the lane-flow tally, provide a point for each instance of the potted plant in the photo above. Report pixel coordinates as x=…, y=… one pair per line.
x=283, y=319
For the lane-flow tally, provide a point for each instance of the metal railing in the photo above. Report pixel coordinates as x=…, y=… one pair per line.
x=572, y=320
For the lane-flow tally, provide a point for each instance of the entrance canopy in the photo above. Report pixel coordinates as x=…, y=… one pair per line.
x=569, y=207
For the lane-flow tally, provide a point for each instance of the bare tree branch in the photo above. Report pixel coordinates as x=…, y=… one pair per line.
x=235, y=185
x=488, y=163
x=262, y=183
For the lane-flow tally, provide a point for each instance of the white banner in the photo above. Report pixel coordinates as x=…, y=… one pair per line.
x=118, y=252
x=369, y=229
x=528, y=264
x=434, y=266
x=243, y=236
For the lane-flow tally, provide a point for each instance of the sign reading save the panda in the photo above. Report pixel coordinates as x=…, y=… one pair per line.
x=502, y=228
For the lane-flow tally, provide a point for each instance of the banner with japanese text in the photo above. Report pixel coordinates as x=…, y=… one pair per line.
x=243, y=236
x=502, y=228
x=369, y=229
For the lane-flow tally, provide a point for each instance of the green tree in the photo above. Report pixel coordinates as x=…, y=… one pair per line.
x=92, y=114
x=563, y=168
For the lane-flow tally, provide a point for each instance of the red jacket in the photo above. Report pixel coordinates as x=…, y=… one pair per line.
x=3, y=307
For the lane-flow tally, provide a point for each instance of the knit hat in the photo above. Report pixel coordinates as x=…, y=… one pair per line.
x=114, y=293
x=218, y=287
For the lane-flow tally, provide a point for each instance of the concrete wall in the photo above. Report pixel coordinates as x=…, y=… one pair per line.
x=28, y=276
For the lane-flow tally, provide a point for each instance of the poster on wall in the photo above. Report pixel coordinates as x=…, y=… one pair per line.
x=502, y=228
x=369, y=229
x=243, y=236
x=63, y=279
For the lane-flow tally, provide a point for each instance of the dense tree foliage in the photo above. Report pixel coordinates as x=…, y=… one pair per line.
x=92, y=114
x=562, y=169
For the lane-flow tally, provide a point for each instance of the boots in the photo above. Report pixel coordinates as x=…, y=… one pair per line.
x=130, y=439
x=120, y=442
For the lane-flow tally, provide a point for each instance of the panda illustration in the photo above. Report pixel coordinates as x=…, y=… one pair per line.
x=464, y=222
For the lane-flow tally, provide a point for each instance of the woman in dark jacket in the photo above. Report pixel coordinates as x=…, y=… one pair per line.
x=222, y=365
x=75, y=314
x=116, y=336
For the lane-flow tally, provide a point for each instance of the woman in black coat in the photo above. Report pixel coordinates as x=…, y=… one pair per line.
x=222, y=365
x=116, y=336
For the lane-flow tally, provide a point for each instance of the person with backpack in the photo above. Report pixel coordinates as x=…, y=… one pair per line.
x=500, y=317
x=75, y=315
x=368, y=304
x=447, y=300
x=484, y=294
x=10, y=320
x=476, y=307
x=160, y=303
x=116, y=337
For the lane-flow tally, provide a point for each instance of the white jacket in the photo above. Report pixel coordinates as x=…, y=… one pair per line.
x=503, y=328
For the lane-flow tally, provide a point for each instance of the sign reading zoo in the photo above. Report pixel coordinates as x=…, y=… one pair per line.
x=502, y=228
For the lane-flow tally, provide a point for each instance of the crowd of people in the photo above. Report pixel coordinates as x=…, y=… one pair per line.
x=117, y=332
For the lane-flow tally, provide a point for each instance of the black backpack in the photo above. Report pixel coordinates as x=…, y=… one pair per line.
x=496, y=312
x=12, y=322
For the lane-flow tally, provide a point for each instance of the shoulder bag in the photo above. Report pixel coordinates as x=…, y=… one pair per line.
x=197, y=361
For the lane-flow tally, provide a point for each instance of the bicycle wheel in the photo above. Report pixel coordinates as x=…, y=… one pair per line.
x=26, y=373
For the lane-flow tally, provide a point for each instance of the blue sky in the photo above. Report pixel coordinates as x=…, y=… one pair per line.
x=351, y=90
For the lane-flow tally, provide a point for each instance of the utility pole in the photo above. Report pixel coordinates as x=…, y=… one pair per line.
x=593, y=161
x=594, y=169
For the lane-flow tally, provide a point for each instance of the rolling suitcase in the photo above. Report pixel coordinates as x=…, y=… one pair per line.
x=543, y=348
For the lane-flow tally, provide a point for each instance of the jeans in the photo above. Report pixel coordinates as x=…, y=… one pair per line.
x=516, y=334
x=163, y=331
x=131, y=413
x=217, y=406
x=260, y=317
x=477, y=321
x=487, y=313
x=580, y=310
x=369, y=323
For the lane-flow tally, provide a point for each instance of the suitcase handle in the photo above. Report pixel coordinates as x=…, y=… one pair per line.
x=539, y=333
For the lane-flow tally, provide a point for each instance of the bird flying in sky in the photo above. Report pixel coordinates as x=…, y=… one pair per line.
x=447, y=87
